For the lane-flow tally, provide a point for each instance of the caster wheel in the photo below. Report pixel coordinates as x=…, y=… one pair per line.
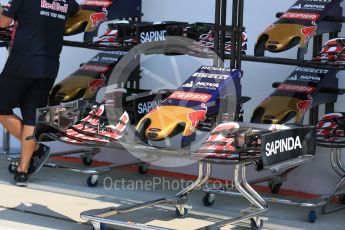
x=103, y=227
x=275, y=187
x=12, y=168
x=181, y=215
x=87, y=160
x=92, y=181
x=143, y=169
x=208, y=199
x=312, y=215
x=254, y=226
x=342, y=199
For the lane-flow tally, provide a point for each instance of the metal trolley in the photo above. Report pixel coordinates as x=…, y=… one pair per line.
x=61, y=117
x=244, y=155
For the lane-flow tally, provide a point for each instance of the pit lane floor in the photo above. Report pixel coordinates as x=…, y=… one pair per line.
x=55, y=198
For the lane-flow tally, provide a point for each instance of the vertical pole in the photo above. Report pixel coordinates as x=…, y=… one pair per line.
x=314, y=112
x=216, y=32
x=329, y=107
x=222, y=31
x=239, y=34
x=6, y=141
x=234, y=25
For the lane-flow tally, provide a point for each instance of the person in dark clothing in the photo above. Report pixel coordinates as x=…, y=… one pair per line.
x=30, y=71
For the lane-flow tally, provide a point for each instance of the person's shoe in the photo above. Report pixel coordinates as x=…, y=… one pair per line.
x=21, y=178
x=39, y=157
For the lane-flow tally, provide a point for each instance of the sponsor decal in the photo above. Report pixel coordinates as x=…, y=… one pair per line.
x=152, y=36
x=55, y=5
x=207, y=85
x=99, y=17
x=105, y=59
x=318, y=1
x=305, y=78
x=101, y=3
x=308, y=6
x=311, y=70
x=188, y=85
x=300, y=15
x=197, y=116
x=283, y=145
x=211, y=76
x=296, y=88
x=309, y=32
x=95, y=84
x=303, y=106
x=190, y=96
x=95, y=68
x=211, y=68
x=146, y=107
x=155, y=130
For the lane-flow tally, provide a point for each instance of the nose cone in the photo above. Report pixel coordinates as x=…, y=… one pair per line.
x=283, y=36
x=72, y=88
x=165, y=120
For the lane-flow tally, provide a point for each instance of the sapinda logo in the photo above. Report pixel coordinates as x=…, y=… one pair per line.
x=283, y=145
x=146, y=107
x=300, y=15
x=190, y=96
x=305, y=78
x=152, y=36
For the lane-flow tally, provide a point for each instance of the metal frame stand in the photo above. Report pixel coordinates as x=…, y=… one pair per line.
x=87, y=156
x=100, y=218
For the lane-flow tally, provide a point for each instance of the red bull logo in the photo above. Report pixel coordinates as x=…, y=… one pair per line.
x=197, y=116
x=95, y=84
x=303, y=106
x=309, y=32
x=98, y=18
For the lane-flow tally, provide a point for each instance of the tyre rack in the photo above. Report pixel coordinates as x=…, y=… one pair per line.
x=275, y=181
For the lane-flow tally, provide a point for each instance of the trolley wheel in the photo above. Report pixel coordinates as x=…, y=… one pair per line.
x=312, y=215
x=179, y=214
x=103, y=226
x=92, y=181
x=342, y=199
x=208, y=199
x=12, y=168
x=275, y=187
x=87, y=160
x=99, y=226
x=143, y=169
x=254, y=226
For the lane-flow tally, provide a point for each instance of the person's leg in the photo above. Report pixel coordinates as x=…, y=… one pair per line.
x=10, y=100
x=13, y=124
x=36, y=97
x=28, y=147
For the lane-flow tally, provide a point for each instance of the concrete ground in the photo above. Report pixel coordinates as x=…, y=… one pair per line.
x=55, y=199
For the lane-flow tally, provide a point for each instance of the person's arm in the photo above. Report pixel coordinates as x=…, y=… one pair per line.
x=4, y=20
x=9, y=12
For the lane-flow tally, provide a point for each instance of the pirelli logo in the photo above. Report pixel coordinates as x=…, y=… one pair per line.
x=300, y=15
